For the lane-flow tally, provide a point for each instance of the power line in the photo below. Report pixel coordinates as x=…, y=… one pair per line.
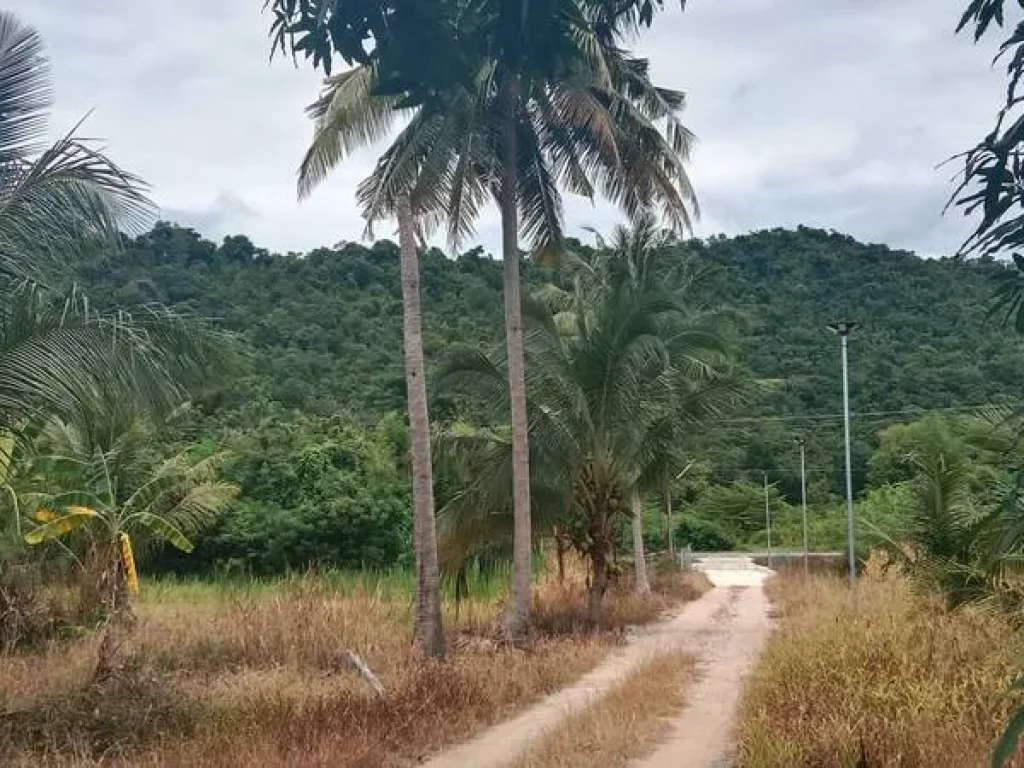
x=912, y=411
x=771, y=471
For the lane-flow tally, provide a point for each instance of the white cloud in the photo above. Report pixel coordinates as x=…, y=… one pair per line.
x=831, y=113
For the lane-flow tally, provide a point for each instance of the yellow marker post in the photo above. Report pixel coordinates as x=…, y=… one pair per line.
x=128, y=558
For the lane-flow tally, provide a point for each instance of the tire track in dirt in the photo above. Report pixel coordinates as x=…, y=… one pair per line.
x=724, y=629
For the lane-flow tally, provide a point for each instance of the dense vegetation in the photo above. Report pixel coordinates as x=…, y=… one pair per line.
x=322, y=338
x=646, y=374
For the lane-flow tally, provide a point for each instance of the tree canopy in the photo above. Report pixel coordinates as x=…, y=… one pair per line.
x=322, y=335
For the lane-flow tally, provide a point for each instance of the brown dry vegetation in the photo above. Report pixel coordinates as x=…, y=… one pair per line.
x=623, y=725
x=894, y=681
x=218, y=676
x=558, y=609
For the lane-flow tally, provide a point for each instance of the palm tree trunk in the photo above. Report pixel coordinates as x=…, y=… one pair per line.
x=598, y=581
x=668, y=524
x=597, y=517
x=428, y=630
x=560, y=554
x=518, y=611
x=643, y=586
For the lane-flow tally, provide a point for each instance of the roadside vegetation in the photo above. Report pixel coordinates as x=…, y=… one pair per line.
x=241, y=672
x=895, y=679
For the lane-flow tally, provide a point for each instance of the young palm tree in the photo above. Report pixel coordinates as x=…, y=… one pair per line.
x=611, y=378
x=642, y=259
x=103, y=483
x=111, y=487
x=952, y=539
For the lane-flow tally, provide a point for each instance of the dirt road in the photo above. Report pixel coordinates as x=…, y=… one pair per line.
x=725, y=629
x=701, y=735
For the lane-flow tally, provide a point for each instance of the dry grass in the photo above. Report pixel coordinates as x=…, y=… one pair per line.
x=558, y=608
x=623, y=725
x=217, y=676
x=893, y=681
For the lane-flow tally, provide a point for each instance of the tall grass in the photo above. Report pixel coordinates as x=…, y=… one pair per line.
x=623, y=725
x=892, y=679
x=245, y=673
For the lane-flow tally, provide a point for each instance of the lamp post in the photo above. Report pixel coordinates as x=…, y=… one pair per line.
x=844, y=329
x=803, y=503
x=768, y=519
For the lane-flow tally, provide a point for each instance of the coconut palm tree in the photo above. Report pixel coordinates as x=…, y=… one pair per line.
x=522, y=124
x=56, y=203
x=336, y=132
x=429, y=630
x=698, y=345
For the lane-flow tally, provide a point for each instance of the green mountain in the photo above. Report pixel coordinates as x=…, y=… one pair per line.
x=322, y=334
x=924, y=342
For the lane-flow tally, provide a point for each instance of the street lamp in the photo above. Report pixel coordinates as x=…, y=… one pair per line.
x=768, y=519
x=803, y=502
x=844, y=329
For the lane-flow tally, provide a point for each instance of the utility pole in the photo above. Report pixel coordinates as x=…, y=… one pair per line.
x=668, y=508
x=803, y=503
x=768, y=519
x=844, y=329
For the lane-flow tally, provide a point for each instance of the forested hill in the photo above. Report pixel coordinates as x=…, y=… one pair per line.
x=925, y=341
x=325, y=328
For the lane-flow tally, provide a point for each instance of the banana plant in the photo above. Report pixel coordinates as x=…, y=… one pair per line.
x=110, y=494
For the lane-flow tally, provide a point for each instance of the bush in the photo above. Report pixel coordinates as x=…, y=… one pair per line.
x=313, y=492
x=40, y=602
x=702, y=535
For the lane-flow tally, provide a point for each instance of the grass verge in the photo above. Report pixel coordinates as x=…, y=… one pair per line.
x=229, y=674
x=894, y=680
x=621, y=726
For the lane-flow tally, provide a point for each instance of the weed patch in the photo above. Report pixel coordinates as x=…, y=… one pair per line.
x=239, y=674
x=624, y=724
x=890, y=679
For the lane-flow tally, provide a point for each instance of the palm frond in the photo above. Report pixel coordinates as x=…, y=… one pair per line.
x=53, y=207
x=196, y=507
x=64, y=357
x=479, y=517
x=25, y=90
x=348, y=115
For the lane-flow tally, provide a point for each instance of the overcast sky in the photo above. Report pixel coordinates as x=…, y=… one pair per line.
x=830, y=113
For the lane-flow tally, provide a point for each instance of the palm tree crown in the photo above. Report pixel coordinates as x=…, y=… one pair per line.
x=58, y=202
x=604, y=130
x=53, y=199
